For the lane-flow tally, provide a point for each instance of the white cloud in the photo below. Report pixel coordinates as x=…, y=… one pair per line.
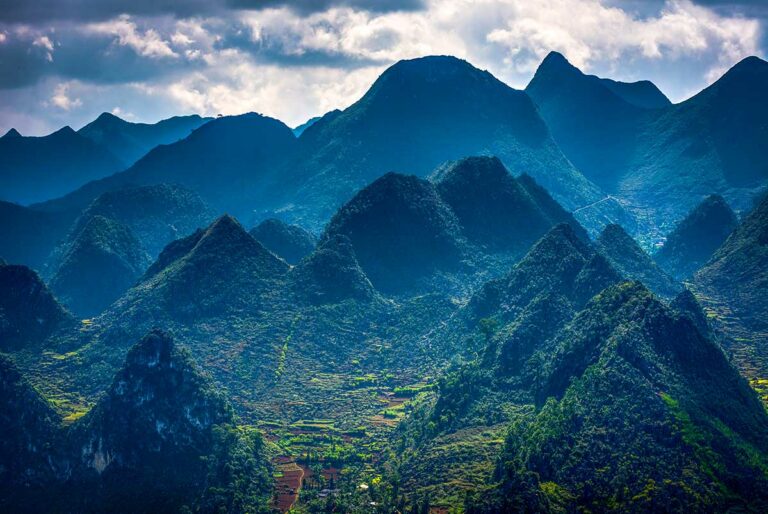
x=510, y=37
x=588, y=32
x=293, y=66
x=46, y=44
x=63, y=100
x=148, y=43
x=241, y=86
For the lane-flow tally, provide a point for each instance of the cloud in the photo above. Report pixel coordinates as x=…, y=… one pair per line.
x=63, y=100
x=300, y=60
x=588, y=32
x=120, y=51
x=147, y=43
x=36, y=11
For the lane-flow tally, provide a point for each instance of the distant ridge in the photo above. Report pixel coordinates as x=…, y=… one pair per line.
x=34, y=169
x=130, y=141
x=419, y=114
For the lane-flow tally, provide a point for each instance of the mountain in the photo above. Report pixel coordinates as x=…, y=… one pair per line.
x=27, y=236
x=33, y=169
x=290, y=242
x=560, y=271
x=401, y=231
x=470, y=221
x=659, y=160
x=693, y=241
x=628, y=258
x=162, y=417
x=419, y=114
x=496, y=210
x=595, y=121
x=156, y=214
x=161, y=439
x=638, y=412
x=331, y=274
x=28, y=310
x=732, y=285
x=620, y=404
x=219, y=270
x=453, y=442
x=29, y=427
x=100, y=263
x=711, y=143
x=130, y=141
x=243, y=150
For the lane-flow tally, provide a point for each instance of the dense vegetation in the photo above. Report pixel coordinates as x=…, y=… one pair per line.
x=161, y=439
x=732, y=287
x=28, y=310
x=290, y=242
x=445, y=305
x=693, y=241
x=627, y=257
x=102, y=260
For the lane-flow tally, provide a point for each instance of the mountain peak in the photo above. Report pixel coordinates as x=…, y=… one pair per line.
x=556, y=63
x=331, y=274
x=694, y=239
x=626, y=255
x=564, y=232
x=215, y=270
x=226, y=240
x=714, y=202
x=430, y=63
x=154, y=350
x=107, y=118
x=750, y=63
x=615, y=231
x=12, y=133
x=290, y=242
x=687, y=304
x=493, y=208
x=225, y=223
x=401, y=231
x=99, y=263
x=66, y=130
x=470, y=168
x=555, y=58
x=744, y=79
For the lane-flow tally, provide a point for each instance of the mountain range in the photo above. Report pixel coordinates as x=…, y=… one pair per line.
x=130, y=141
x=454, y=296
x=660, y=160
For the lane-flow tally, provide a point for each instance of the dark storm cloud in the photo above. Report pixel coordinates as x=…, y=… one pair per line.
x=25, y=59
x=40, y=11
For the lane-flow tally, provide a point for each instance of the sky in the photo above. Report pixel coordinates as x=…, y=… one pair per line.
x=63, y=62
